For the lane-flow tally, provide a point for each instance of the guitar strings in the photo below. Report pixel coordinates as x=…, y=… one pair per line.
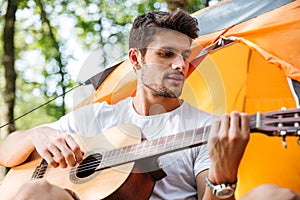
x=122, y=153
x=127, y=153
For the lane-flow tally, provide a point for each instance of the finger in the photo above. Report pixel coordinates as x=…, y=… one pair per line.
x=72, y=144
x=234, y=124
x=224, y=127
x=213, y=135
x=245, y=122
x=214, y=130
x=58, y=156
x=67, y=153
x=245, y=126
x=49, y=158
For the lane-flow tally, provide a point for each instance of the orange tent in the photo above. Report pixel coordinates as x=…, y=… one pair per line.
x=250, y=65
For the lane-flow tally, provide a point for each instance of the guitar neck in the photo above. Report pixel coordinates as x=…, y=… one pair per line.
x=155, y=147
x=272, y=124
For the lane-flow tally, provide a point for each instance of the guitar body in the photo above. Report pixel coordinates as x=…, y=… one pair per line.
x=111, y=183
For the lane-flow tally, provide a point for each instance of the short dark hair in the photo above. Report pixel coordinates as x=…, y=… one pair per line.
x=147, y=25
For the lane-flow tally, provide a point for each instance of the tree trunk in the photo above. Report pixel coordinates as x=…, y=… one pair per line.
x=8, y=61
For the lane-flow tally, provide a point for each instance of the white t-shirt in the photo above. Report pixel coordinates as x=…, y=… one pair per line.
x=181, y=167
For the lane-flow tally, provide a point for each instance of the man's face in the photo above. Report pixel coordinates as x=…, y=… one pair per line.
x=165, y=64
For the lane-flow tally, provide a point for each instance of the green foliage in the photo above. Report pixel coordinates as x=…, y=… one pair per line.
x=195, y=5
x=114, y=8
x=27, y=101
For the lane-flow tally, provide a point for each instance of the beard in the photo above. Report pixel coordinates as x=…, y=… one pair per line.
x=160, y=90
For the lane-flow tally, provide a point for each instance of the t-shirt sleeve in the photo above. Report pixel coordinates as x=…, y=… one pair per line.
x=82, y=121
x=202, y=161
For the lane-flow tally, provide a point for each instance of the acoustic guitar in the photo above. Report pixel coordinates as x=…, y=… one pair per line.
x=116, y=164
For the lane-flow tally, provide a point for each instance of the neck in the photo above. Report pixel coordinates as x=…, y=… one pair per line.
x=146, y=104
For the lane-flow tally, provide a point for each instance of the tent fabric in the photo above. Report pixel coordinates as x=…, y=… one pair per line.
x=119, y=84
x=229, y=13
x=274, y=34
x=247, y=67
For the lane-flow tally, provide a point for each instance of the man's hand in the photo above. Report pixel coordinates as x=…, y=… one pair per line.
x=226, y=144
x=269, y=191
x=56, y=147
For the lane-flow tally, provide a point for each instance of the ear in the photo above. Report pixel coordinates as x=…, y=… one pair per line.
x=133, y=56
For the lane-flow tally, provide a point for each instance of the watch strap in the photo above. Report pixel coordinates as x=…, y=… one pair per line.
x=217, y=189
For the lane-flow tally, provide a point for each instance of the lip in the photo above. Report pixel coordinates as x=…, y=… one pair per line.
x=176, y=77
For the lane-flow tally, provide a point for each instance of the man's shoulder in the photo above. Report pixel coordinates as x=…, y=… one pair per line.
x=122, y=102
x=195, y=113
x=189, y=107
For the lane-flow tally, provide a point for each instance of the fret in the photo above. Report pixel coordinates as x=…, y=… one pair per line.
x=173, y=142
x=157, y=145
x=126, y=153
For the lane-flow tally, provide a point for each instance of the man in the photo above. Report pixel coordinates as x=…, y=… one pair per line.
x=159, y=51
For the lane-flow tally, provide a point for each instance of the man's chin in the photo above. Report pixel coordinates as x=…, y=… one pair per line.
x=162, y=91
x=172, y=95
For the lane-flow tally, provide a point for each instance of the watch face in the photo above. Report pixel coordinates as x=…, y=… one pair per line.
x=225, y=192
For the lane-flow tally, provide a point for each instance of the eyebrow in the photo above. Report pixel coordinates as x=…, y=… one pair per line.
x=174, y=49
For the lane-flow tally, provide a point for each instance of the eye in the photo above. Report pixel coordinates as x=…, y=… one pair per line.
x=185, y=57
x=165, y=54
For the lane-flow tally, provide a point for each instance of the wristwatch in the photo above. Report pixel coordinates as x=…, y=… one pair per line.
x=222, y=191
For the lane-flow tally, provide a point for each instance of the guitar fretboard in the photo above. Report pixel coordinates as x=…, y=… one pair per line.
x=271, y=124
x=155, y=147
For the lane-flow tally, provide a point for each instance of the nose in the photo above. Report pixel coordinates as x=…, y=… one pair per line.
x=180, y=63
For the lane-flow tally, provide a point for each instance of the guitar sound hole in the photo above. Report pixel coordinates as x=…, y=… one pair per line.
x=88, y=165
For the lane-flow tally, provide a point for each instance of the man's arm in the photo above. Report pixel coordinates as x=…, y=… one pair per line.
x=227, y=141
x=15, y=149
x=269, y=191
x=56, y=147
